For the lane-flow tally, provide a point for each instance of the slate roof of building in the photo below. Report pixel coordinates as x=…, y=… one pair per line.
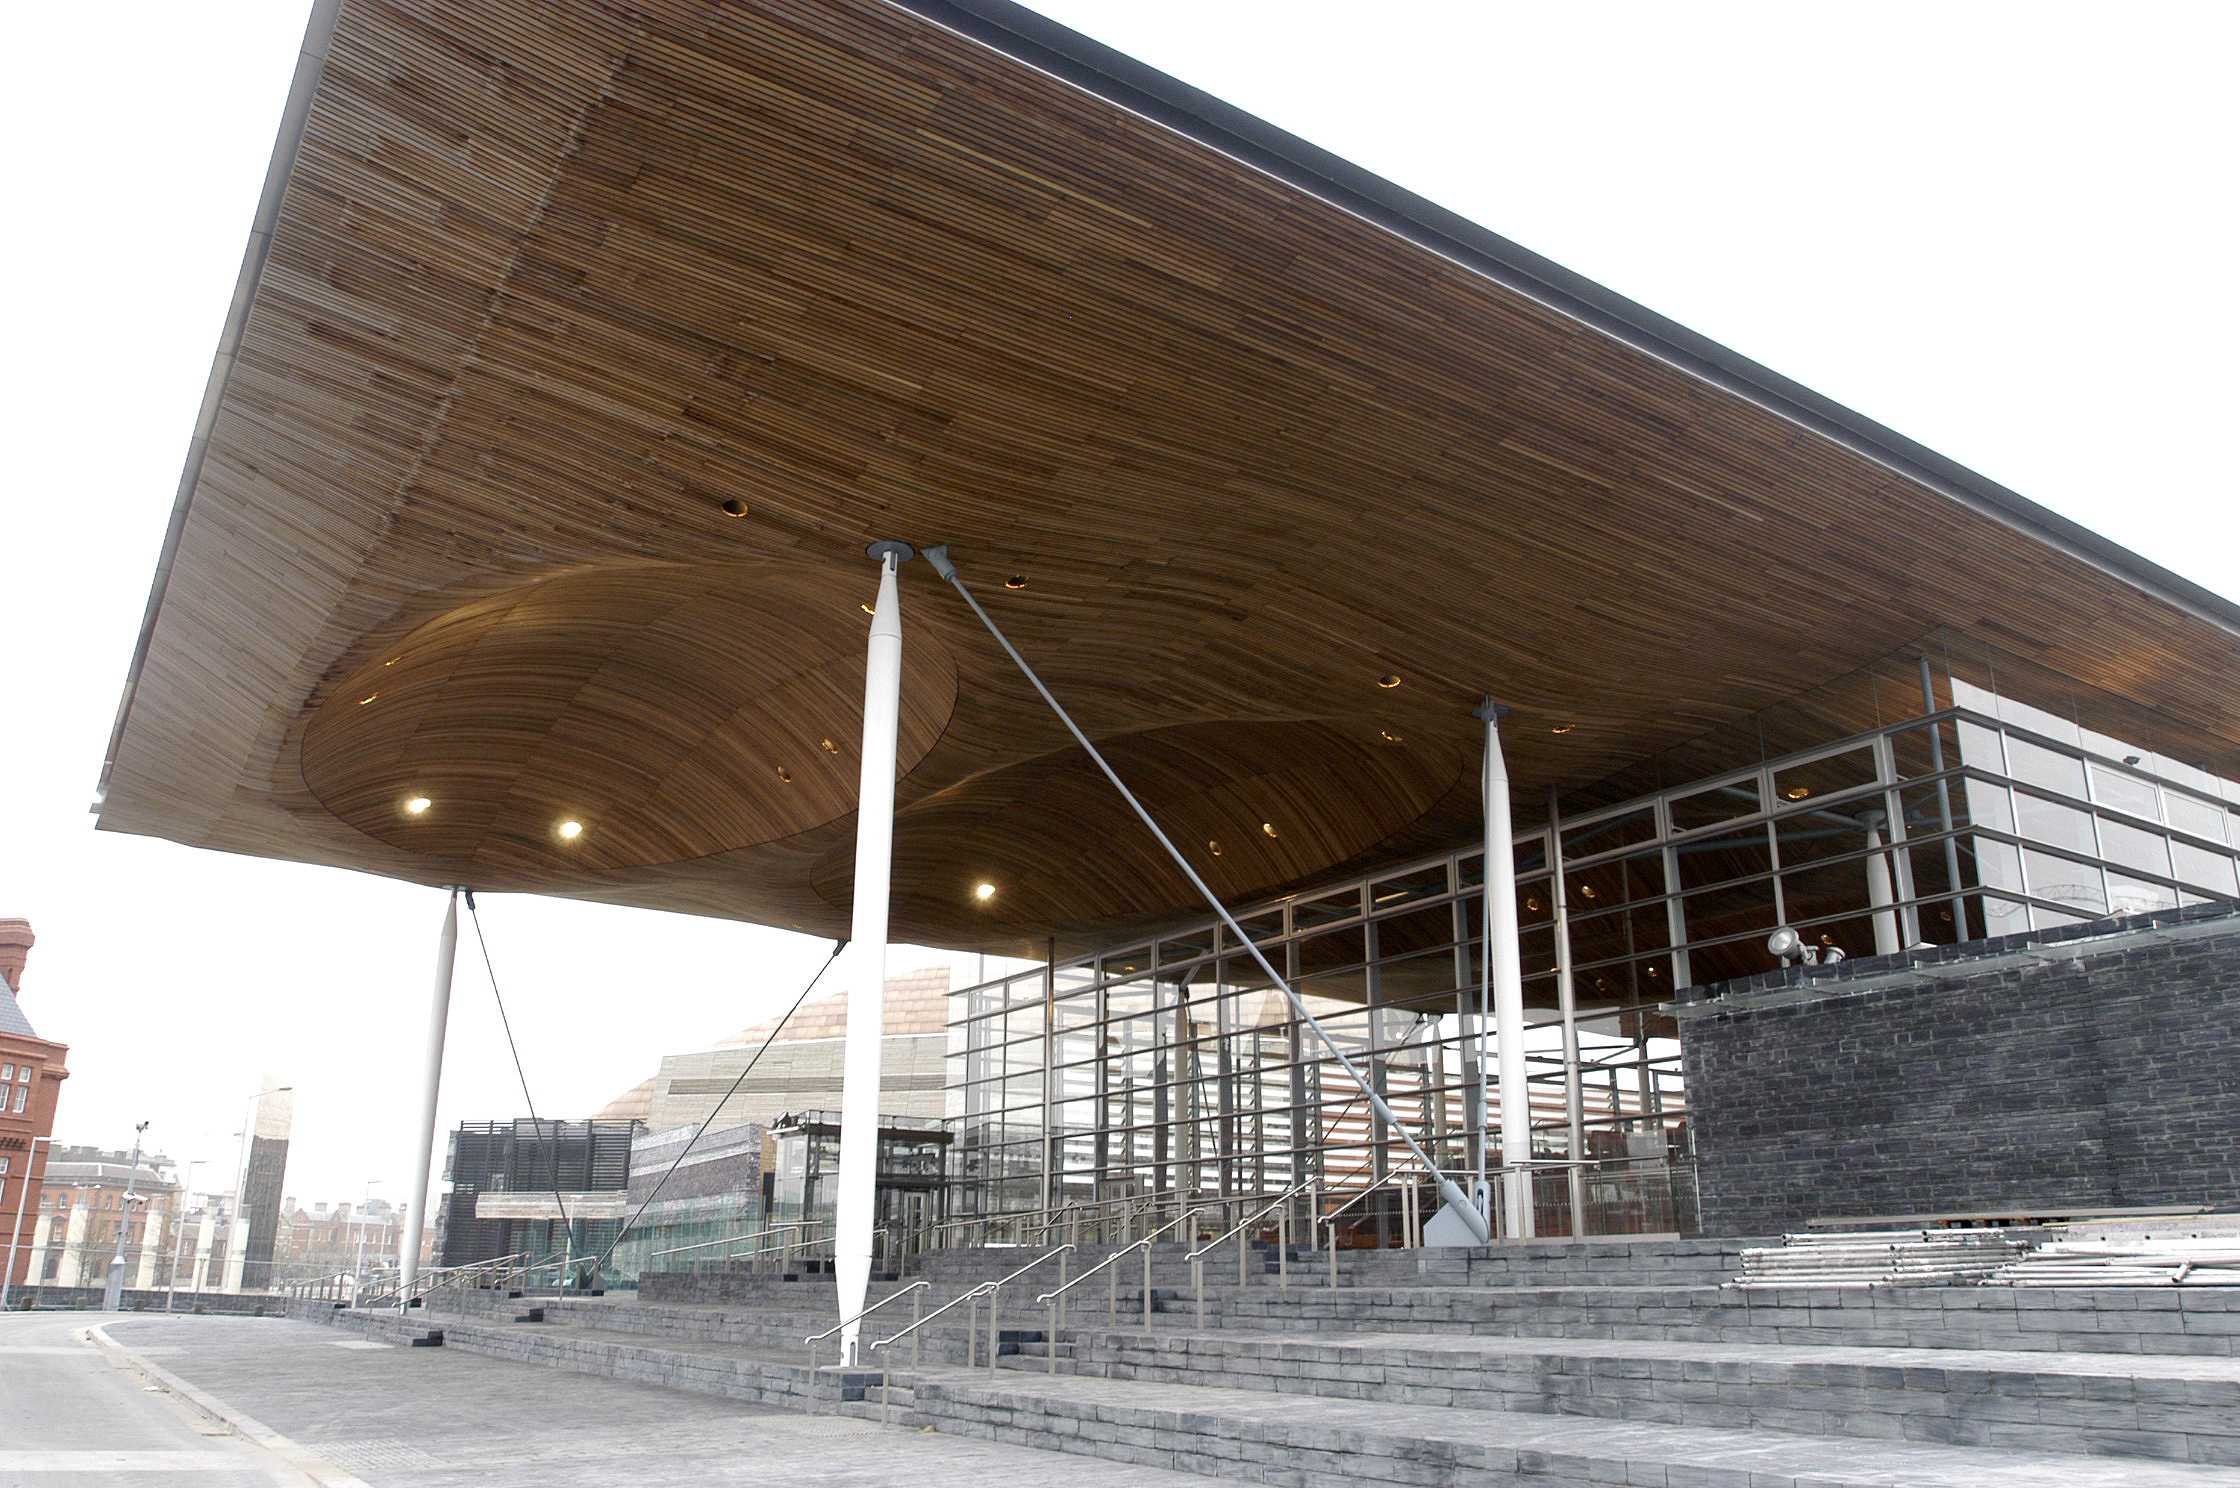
x=12, y=1019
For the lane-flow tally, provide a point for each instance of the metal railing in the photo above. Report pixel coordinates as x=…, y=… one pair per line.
x=1280, y=1206
x=915, y=1289
x=1056, y=1300
x=784, y=1251
x=993, y=1291
x=434, y=1279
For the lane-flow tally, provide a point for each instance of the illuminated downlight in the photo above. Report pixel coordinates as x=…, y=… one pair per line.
x=983, y=891
x=570, y=830
x=417, y=806
x=1389, y=680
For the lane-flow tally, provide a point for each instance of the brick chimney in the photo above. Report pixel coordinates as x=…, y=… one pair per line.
x=15, y=950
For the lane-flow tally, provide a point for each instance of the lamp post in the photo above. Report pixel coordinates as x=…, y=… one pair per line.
x=112, y=1295
x=8, y=1274
x=241, y=1178
x=179, y=1233
x=358, y=1276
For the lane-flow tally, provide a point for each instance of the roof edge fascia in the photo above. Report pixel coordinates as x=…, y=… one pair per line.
x=1039, y=42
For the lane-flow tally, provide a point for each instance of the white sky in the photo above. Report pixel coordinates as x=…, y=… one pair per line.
x=2004, y=230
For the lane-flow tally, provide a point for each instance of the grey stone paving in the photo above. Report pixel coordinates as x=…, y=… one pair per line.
x=1313, y=1440
x=70, y=1415
x=430, y=1418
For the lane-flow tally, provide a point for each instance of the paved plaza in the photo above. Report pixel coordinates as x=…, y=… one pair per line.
x=335, y=1410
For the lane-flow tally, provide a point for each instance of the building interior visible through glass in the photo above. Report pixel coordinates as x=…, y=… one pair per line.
x=1949, y=792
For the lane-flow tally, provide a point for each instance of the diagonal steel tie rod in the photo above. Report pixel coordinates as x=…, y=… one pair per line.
x=1449, y=1191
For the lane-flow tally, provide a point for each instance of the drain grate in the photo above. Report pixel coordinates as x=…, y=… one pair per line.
x=376, y=1454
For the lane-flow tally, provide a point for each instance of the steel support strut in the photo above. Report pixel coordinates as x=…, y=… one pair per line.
x=1449, y=1191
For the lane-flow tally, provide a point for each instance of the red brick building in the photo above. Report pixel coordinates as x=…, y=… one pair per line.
x=31, y=1076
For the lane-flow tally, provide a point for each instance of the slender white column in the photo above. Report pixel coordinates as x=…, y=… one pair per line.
x=1508, y=983
x=205, y=1240
x=431, y=1082
x=74, y=1247
x=151, y=1246
x=1574, y=1103
x=41, y=1232
x=859, y=1095
x=1879, y=897
x=237, y=1251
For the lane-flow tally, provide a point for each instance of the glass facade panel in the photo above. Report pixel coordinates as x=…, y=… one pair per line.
x=2021, y=803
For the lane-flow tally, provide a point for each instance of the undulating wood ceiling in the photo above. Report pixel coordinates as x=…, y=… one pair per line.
x=550, y=285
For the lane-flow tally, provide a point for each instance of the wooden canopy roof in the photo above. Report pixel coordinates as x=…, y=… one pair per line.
x=535, y=292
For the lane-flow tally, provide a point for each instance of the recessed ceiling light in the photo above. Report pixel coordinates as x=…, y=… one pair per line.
x=1267, y=829
x=828, y=746
x=1131, y=966
x=392, y=661
x=1390, y=737
x=1563, y=728
x=1389, y=680
x=983, y=891
x=1213, y=845
x=570, y=830
x=1586, y=891
x=417, y=805
x=785, y=776
x=1652, y=971
x=866, y=608
x=1533, y=904
x=1797, y=792
x=1016, y=581
x=734, y=507
x=369, y=697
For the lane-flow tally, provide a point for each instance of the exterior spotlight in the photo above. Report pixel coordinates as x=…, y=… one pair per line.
x=570, y=830
x=1789, y=948
x=983, y=891
x=417, y=806
x=1389, y=681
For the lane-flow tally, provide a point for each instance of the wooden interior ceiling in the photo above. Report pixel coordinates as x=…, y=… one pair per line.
x=548, y=286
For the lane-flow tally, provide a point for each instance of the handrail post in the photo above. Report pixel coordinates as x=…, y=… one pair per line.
x=1112, y=1288
x=1314, y=1213
x=1244, y=1237
x=809, y=1395
x=1198, y=1288
x=917, y=1316
x=1283, y=1249
x=1333, y=1249
x=971, y=1330
x=995, y=1339
x=1050, y=1338
x=1147, y=1287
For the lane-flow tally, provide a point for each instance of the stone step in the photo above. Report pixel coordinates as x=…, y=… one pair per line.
x=2169, y=1320
x=2178, y=1408
x=1312, y=1442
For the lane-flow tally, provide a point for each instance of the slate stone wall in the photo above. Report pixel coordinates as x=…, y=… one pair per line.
x=2092, y=1067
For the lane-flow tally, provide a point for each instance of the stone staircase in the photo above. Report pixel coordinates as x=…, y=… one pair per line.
x=1599, y=1362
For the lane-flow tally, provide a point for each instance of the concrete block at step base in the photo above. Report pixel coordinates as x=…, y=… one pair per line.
x=533, y=1315
x=433, y=1338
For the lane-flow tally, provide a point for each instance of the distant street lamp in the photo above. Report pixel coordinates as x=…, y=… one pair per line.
x=112, y=1295
x=179, y=1232
x=8, y=1274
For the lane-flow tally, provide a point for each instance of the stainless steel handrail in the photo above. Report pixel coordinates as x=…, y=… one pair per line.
x=1251, y=1219
x=799, y=1224
x=990, y=1289
x=914, y=1289
x=1144, y=1245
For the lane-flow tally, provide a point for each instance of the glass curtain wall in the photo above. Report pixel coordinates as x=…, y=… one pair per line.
x=1947, y=793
